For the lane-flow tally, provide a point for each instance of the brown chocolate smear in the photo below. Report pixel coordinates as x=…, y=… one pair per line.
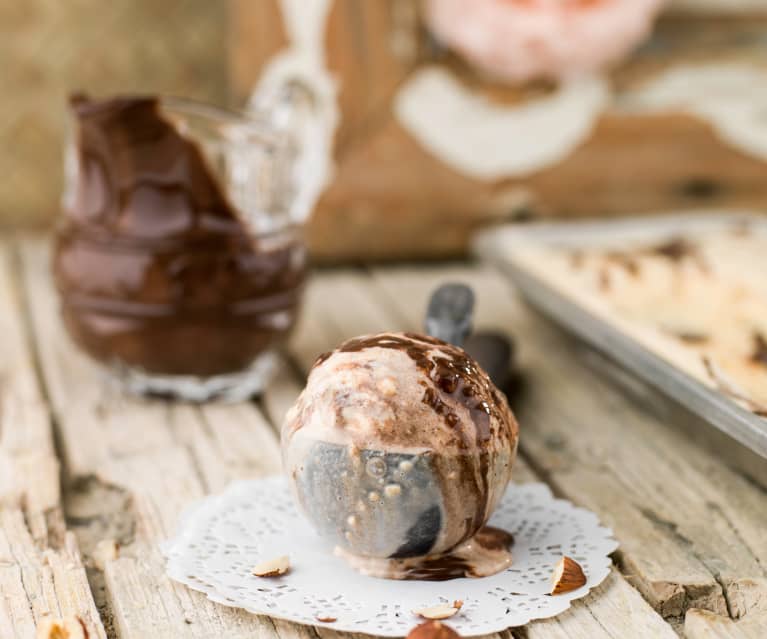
x=494, y=538
x=485, y=554
x=321, y=358
x=676, y=249
x=156, y=269
x=690, y=337
x=759, y=354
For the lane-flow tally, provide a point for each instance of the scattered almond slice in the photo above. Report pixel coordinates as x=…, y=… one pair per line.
x=68, y=628
x=568, y=575
x=433, y=630
x=273, y=567
x=440, y=611
x=326, y=619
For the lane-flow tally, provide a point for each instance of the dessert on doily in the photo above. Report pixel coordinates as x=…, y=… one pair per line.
x=399, y=453
x=399, y=449
x=699, y=300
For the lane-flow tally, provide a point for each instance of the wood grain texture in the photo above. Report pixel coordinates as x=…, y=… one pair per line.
x=41, y=574
x=131, y=467
x=702, y=624
x=691, y=529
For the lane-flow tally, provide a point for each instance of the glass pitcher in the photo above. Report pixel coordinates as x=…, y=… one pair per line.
x=179, y=256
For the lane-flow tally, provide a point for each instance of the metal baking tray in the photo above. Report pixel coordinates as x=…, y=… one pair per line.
x=686, y=400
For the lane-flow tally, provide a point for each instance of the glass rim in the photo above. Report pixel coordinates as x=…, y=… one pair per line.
x=251, y=121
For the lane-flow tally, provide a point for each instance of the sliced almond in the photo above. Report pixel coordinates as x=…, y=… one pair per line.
x=68, y=628
x=326, y=619
x=568, y=575
x=273, y=567
x=440, y=611
x=433, y=630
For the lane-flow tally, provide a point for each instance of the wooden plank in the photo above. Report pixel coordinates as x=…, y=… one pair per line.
x=41, y=574
x=282, y=393
x=614, y=609
x=26, y=445
x=38, y=583
x=702, y=624
x=691, y=529
x=131, y=466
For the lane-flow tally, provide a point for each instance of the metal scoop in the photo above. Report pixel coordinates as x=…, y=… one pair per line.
x=449, y=318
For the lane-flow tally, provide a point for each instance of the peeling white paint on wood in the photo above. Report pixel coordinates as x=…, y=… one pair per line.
x=732, y=98
x=491, y=141
x=314, y=123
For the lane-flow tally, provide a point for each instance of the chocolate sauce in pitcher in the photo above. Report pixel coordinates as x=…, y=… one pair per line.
x=156, y=269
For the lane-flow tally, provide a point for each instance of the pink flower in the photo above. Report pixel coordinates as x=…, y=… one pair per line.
x=518, y=40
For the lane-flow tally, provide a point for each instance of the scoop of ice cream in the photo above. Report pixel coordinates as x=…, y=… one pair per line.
x=519, y=40
x=399, y=446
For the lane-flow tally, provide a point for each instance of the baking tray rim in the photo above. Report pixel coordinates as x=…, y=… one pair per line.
x=710, y=405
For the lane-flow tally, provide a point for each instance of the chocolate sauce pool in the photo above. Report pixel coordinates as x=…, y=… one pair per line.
x=155, y=268
x=488, y=553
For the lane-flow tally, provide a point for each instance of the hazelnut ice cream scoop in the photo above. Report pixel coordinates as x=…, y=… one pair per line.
x=399, y=449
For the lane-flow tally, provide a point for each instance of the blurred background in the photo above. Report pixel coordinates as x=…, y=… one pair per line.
x=666, y=110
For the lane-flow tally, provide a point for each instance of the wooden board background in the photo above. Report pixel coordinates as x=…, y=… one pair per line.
x=391, y=199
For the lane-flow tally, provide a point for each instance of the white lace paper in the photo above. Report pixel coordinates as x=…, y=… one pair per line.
x=221, y=538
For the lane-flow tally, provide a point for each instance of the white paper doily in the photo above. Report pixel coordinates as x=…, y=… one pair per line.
x=222, y=537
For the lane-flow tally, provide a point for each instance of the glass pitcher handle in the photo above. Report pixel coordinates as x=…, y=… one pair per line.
x=301, y=109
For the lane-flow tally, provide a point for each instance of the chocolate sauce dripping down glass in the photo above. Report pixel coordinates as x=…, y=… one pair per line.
x=176, y=260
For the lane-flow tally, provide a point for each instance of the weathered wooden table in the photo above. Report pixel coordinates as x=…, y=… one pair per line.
x=80, y=464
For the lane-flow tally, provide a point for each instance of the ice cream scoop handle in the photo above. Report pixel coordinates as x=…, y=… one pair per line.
x=449, y=314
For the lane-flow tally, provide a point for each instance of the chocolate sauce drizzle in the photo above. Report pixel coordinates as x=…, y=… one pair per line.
x=457, y=376
x=676, y=250
x=453, y=372
x=759, y=354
